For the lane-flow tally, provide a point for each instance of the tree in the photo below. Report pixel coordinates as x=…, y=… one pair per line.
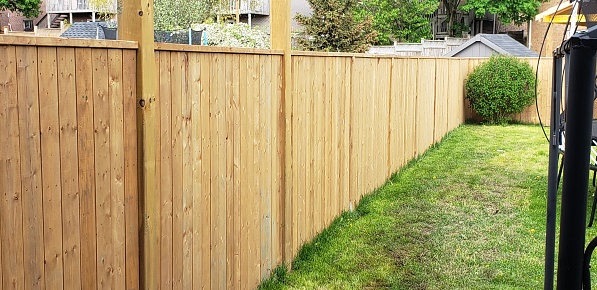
x=517, y=11
x=180, y=14
x=334, y=26
x=452, y=7
x=29, y=8
x=104, y=8
x=405, y=20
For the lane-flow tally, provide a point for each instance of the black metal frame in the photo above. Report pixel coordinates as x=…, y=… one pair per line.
x=580, y=51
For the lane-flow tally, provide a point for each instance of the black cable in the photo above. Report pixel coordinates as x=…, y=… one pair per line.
x=537, y=73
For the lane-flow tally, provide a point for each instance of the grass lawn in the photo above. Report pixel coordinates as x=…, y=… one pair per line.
x=468, y=214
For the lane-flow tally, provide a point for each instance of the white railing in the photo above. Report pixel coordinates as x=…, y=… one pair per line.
x=250, y=6
x=55, y=6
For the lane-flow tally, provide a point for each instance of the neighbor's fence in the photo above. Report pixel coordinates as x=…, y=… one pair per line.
x=68, y=184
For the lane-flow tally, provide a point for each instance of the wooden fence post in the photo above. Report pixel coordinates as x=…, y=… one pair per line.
x=280, y=39
x=136, y=23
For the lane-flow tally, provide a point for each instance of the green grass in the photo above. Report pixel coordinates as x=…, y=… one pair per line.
x=468, y=214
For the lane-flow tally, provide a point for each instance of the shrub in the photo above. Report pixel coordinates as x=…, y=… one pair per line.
x=500, y=87
x=235, y=35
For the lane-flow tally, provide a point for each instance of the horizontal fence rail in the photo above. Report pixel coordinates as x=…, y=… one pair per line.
x=69, y=204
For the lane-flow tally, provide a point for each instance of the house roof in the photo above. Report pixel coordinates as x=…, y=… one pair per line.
x=500, y=43
x=89, y=30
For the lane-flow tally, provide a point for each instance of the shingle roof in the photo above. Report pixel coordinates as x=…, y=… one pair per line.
x=501, y=43
x=90, y=30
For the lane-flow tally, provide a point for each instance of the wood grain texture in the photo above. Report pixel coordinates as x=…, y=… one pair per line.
x=117, y=201
x=103, y=209
x=131, y=192
x=69, y=167
x=11, y=207
x=50, y=150
x=33, y=254
x=86, y=152
x=165, y=169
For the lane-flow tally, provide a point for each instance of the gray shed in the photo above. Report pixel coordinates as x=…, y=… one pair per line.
x=485, y=45
x=89, y=30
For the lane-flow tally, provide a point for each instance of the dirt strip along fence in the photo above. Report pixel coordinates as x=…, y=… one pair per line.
x=69, y=204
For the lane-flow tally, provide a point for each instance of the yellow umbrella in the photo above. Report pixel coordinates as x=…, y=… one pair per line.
x=560, y=15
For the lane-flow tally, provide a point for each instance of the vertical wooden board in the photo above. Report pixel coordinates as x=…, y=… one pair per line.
x=441, y=98
x=278, y=147
x=33, y=247
x=265, y=154
x=310, y=202
x=334, y=143
x=165, y=169
x=204, y=280
x=393, y=154
x=11, y=207
x=410, y=100
x=346, y=116
x=316, y=170
x=115, y=93
x=229, y=169
x=196, y=87
x=352, y=123
x=327, y=204
x=50, y=150
x=246, y=150
x=187, y=172
x=363, y=126
x=69, y=167
x=86, y=151
x=101, y=114
x=237, y=185
x=218, y=174
x=305, y=151
x=177, y=170
x=298, y=153
x=464, y=71
x=255, y=240
x=384, y=168
x=158, y=171
x=454, y=94
x=425, y=102
x=131, y=195
x=397, y=114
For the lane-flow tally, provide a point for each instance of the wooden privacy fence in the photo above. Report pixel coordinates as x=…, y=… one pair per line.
x=228, y=213
x=68, y=177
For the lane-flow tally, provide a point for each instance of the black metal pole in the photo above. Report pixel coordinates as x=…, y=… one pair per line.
x=579, y=113
x=552, y=175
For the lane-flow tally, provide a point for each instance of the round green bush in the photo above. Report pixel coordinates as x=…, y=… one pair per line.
x=500, y=88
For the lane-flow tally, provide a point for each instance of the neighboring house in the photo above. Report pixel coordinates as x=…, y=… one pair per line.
x=16, y=22
x=258, y=12
x=72, y=10
x=472, y=25
x=52, y=12
x=485, y=45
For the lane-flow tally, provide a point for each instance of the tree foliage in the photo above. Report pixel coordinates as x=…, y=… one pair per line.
x=29, y=8
x=334, y=26
x=517, y=11
x=452, y=7
x=405, y=20
x=235, y=35
x=179, y=14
